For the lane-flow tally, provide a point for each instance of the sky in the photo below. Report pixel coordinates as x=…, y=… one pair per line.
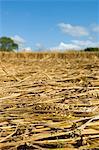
x=50, y=24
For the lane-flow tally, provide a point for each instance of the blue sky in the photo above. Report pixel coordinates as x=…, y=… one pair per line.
x=51, y=24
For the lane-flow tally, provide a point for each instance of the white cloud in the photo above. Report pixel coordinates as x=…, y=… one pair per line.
x=95, y=28
x=66, y=46
x=27, y=49
x=76, y=31
x=75, y=45
x=39, y=47
x=92, y=37
x=19, y=40
x=87, y=43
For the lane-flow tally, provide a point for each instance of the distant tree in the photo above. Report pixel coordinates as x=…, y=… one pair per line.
x=7, y=44
x=91, y=49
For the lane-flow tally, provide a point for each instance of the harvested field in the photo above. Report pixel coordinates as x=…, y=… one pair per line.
x=49, y=101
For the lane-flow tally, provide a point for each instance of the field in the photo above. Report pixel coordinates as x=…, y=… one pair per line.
x=49, y=101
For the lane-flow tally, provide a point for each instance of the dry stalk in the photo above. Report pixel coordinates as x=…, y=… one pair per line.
x=7, y=73
x=84, y=125
x=4, y=139
x=9, y=97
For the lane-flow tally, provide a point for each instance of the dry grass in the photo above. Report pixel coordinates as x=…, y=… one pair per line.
x=49, y=101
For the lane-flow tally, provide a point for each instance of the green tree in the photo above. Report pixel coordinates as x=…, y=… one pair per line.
x=7, y=44
x=92, y=49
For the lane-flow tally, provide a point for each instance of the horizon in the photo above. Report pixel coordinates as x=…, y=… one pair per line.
x=51, y=25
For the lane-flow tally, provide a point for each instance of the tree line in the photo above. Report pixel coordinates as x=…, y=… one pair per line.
x=8, y=44
x=91, y=49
